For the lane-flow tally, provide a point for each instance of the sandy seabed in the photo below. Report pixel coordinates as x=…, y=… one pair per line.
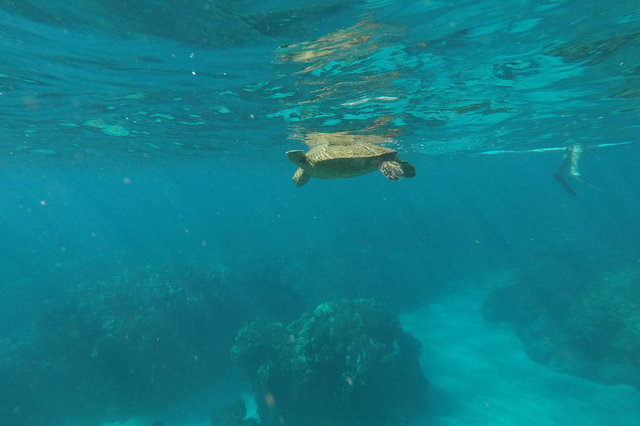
x=482, y=376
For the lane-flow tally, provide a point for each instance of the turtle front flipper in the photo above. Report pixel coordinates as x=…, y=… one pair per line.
x=300, y=177
x=394, y=170
x=391, y=170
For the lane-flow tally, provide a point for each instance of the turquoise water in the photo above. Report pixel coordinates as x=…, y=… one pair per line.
x=148, y=214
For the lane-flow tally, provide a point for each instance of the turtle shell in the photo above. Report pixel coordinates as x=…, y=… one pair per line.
x=336, y=161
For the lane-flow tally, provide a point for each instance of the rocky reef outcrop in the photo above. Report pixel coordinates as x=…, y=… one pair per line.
x=347, y=363
x=231, y=414
x=588, y=327
x=133, y=343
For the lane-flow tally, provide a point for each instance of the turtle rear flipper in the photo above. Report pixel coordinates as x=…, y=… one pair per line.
x=298, y=157
x=300, y=177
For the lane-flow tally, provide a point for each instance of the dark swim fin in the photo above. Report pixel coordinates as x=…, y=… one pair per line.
x=560, y=178
x=588, y=183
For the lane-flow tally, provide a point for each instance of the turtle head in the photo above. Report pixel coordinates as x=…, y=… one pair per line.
x=298, y=157
x=408, y=170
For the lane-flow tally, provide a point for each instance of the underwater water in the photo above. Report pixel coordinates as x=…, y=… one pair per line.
x=157, y=263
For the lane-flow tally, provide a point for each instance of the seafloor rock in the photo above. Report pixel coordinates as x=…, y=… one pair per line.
x=347, y=363
x=134, y=343
x=231, y=414
x=592, y=331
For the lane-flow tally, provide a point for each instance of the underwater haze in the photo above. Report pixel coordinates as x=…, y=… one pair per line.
x=161, y=264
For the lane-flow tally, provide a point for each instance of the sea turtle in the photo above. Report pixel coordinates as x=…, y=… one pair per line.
x=343, y=161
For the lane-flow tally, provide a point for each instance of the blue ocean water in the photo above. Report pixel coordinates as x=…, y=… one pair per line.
x=148, y=214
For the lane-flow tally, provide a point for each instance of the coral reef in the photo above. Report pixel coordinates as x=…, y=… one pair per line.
x=125, y=346
x=154, y=336
x=347, y=363
x=231, y=414
x=588, y=327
